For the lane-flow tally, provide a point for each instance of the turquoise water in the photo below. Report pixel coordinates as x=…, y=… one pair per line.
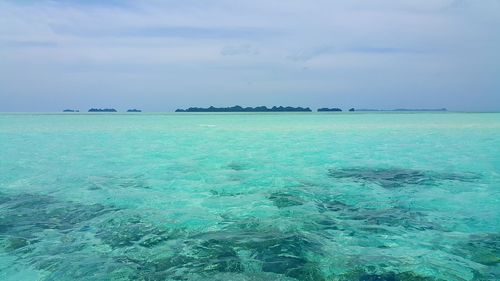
x=306, y=196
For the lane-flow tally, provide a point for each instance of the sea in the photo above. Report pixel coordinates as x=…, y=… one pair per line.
x=381, y=196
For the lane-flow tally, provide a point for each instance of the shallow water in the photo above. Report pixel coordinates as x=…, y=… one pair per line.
x=306, y=196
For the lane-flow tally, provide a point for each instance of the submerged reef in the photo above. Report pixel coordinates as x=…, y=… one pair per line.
x=134, y=245
x=363, y=275
x=398, y=177
x=236, y=166
x=102, y=110
x=20, y=220
x=285, y=199
x=270, y=249
x=72, y=241
x=126, y=231
x=66, y=239
x=483, y=248
x=238, y=108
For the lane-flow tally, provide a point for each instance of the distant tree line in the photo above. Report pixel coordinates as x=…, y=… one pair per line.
x=102, y=110
x=238, y=108
x=329, y=109
x=105, y=110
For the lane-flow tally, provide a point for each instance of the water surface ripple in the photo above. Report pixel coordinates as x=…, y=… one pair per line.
x=365, y=197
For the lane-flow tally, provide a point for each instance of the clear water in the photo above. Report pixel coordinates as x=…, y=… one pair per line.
x=305, y=196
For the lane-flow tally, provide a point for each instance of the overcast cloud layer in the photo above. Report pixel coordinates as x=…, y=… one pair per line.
x=161, y=55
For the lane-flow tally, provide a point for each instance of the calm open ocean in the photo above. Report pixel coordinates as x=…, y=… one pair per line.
x=306, y=196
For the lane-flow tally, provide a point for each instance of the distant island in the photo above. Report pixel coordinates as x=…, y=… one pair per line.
x=405, y=109
x=238, y=108
x=102, y=110
x=325, y=109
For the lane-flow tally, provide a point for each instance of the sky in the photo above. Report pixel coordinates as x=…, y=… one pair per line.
x=162, y=55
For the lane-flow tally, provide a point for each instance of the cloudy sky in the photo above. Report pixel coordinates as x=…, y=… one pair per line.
x=161, y=55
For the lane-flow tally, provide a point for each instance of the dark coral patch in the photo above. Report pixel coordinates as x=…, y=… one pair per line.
x=285, y=199
x=237, y=166
x=27, y=214
x=123, y=231
x=483, y=248
x=397, y=177
x=362, y=275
